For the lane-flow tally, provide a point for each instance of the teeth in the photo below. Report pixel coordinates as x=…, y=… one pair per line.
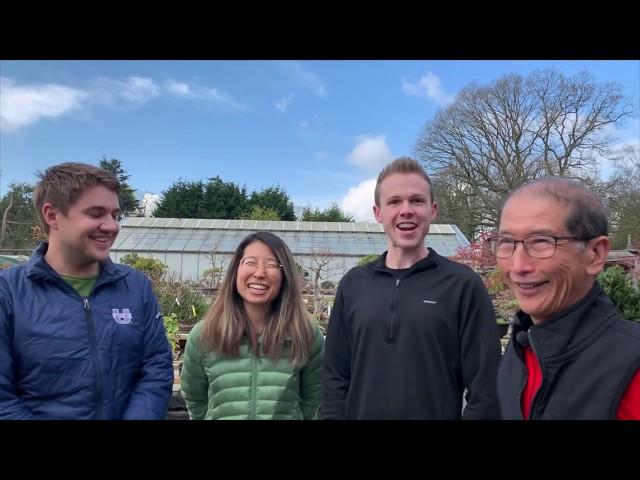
x=258, y=286
x=529, y=285
x=406, y=225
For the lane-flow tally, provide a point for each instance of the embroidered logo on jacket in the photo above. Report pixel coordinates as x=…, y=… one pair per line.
x=123, y=317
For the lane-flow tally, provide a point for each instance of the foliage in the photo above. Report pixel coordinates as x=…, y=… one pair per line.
x=196, y=199
x=617, y=284
x=261, y=213
x=126, y=198
x=180, y=297
x=172, y=329
x=367, y=259
x=272, y=199
x=328, y=285
x=622, y=195
x=18, y=217
x=330, y=214
x=151, y=267
x=478, y=254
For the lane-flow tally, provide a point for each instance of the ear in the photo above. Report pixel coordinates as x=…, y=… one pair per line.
x=597, y=250
x=50, y=215
x=434, y=211
x=377, y=213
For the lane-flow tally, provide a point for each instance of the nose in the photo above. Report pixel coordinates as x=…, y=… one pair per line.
x=521, y=262
x=110, y=225
x=260, y=271
x=406, y=209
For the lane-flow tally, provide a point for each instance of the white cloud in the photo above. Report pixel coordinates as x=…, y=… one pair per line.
x=21, y=106
x=359, y=201
x=136, y=90
x=178, y=88
x=283, y=103
x=197, y=92
x=428, y=86
x=371, y=153
x=305, y=77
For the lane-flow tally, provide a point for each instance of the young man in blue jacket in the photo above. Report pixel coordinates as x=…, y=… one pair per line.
x=411, y=331
x=80, y=336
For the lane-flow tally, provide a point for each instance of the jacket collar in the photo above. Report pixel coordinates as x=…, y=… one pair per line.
x=571, y=330
x=38, y=269
x=430, y=261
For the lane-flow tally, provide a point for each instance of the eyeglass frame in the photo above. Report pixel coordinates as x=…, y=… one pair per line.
x=493, y=241
x=266, y=268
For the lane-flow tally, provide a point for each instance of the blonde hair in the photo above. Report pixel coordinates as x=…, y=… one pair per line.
x=226, y=322
x=405, y=166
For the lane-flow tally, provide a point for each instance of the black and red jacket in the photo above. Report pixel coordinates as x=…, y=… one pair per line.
x=588, y=354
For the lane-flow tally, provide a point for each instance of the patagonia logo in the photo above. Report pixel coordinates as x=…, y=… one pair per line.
x=429, y=301
x=123, y=317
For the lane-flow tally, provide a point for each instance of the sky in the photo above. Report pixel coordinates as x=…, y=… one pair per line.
x=321, y=130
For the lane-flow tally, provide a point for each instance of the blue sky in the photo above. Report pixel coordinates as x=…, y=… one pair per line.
x=319, y=129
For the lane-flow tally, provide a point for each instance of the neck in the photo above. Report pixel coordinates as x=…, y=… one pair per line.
x=64, y=264
x=402, y=258
x=258, y=316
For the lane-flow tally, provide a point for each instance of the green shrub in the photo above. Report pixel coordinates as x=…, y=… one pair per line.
x=172, y=328
x=328, y=285
x=367, y=259
x=152, y=268
x=182, y=298
x=617, y=284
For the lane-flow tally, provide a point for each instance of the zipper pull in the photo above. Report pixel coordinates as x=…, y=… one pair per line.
x=397, y=282
x=86, y=304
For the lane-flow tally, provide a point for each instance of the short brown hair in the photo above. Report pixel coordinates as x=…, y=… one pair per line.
x=405, y=166
x=62, y=185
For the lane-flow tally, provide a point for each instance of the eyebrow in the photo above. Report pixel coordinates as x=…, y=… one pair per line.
x=543, y=231
x=102, y=209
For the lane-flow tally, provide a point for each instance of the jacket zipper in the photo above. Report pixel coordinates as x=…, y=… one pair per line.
x=96, y=357
x=252, y=414
x=394, y=303
x=535, y=352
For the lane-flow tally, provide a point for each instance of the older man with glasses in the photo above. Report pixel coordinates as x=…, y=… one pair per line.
x=572, y=356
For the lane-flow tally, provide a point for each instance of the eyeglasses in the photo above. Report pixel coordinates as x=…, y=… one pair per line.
x=250, y=264
x=536, y=246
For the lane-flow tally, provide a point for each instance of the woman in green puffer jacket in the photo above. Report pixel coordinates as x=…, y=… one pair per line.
x=256, y=354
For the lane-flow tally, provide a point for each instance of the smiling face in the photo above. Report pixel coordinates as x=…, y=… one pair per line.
x=257, y=284
x=405, y=212
x=544, y=287
x=81, y=238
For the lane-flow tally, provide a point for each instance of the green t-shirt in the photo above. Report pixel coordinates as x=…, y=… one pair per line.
x=81, y=285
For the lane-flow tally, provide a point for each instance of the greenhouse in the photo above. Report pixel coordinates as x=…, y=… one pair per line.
x=191, y=246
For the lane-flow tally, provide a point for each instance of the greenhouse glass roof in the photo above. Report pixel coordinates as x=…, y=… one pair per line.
x=143, y=234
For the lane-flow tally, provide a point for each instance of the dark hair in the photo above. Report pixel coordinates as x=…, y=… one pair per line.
x=587, y=217
x=405, y=166
x=62, y=185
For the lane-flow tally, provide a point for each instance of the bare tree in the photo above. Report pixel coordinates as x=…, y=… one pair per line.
x=323, y=267
x=213, y=276
x=493, y=138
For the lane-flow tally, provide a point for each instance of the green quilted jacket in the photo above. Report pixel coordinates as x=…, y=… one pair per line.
x=250, y=387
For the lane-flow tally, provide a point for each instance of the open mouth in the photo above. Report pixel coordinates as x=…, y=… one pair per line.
x=407, y=226
x=529, y=288
x=100, y=239
x=257, y=288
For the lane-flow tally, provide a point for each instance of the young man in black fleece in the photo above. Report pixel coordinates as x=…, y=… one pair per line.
x=410, y=331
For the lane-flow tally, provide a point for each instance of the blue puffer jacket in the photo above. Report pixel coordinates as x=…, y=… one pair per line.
x=66, y=357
